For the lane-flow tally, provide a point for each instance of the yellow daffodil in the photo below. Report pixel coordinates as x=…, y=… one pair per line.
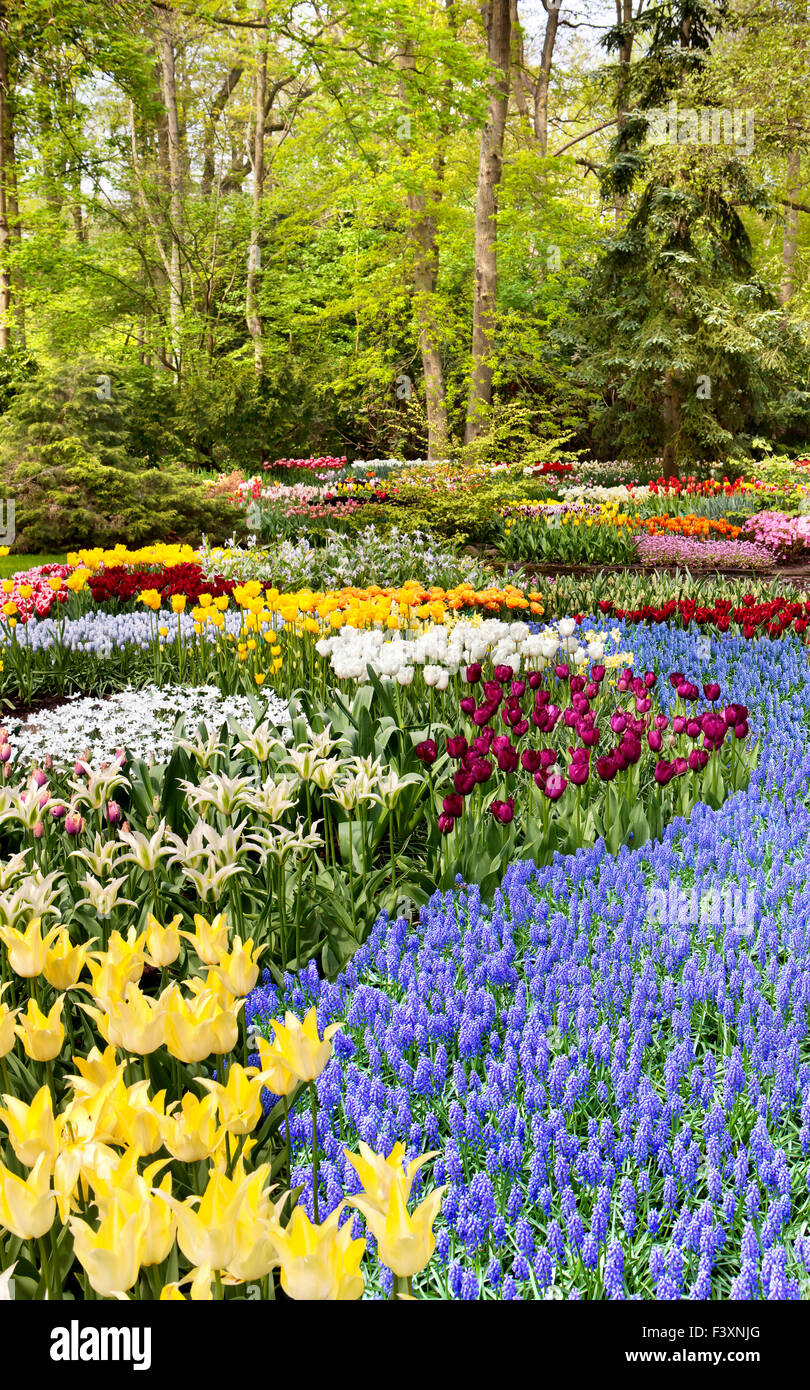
x=42, y=1035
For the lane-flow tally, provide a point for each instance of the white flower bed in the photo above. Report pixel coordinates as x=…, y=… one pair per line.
x=143, y=722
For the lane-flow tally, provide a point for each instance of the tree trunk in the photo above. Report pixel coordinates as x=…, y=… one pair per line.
x=490, y=170
x=552, y=8
x=252, y=316
x=175, y=173
x=425, y=272
x=5, y=233
x=624, y=13
x=790, y=236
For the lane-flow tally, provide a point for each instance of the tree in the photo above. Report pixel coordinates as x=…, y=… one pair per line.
x=497, y=19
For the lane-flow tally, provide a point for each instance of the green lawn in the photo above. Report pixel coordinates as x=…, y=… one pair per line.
x=10, y=564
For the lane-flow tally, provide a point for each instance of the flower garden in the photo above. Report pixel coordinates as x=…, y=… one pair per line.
x=409, y=901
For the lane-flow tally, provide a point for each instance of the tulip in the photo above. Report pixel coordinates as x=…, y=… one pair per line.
x=376, y=1172
x=65, y=962
x=42, y=1035
x=239, y=971
x=298, y=1046
x=140, y=1119
x=31, y=1128
x=319, y=1262
x=473, y=673
x=239, y=1101
x=654, y=741
x=111, y=1255
x=194, y=1031
x=8, y=1018
x=664, y=772
x=503, y=811
x=555, y=786
x=27, y=1205
x=427, y=752
x=162, y=943
x=255, y=1250
x=711, y=690
x=607, y=767
x=457, y=747
x=578, y=773
x=192, y=1132
x=134, y=1023
x=206, y=1235
x=210, y=939
x=405, y=1240
x=446, y=823
x=467, y=705
x=28, y=950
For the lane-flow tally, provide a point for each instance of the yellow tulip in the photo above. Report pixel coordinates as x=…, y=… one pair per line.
x=298, y=1046
x=140, y=1120
x=192, y=1133
x=239, y=971
x=42, y=1035
x=255, y=1249
x=111, y=1256
x=377, y=1173
x=206, y=1235
x=152, y=599
x=319, y=1262
x=94, y=1070
x=278, y=1077
x=178, y=603
x=8, y=1019
x=405, y=1240
x=134, y=1023
x=31, y=1128
x=64, y=962
x=171, y=1293
x=240, y=1100
x=162, y=943
x=196, y=1028
x=27, y=1206
x=28, y=950
x=209, y=939
x=126, y=1182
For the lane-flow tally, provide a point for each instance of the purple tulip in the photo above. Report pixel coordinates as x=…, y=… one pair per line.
x=473, y=673
x=427, y=752
x=555, y=786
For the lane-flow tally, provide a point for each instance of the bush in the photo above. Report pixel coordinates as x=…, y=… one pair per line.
x=66, y=458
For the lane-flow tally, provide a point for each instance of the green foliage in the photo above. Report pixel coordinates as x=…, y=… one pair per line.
x=68, y=457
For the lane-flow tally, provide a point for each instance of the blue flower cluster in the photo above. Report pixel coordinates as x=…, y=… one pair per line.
x=612, y=1058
